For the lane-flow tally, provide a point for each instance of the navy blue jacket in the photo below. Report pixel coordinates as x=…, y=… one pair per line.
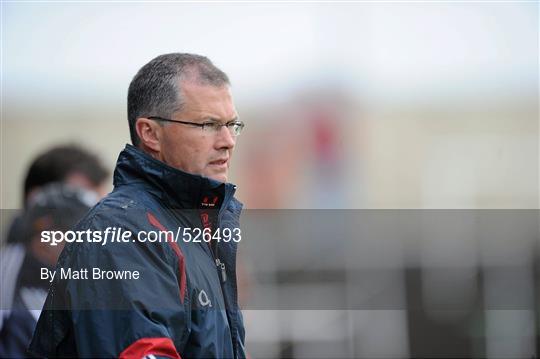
x=184, y=303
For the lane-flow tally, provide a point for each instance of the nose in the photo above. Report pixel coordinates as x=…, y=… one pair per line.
x=224, y=139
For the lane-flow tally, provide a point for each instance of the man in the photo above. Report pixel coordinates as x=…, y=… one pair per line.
x=183, y=304
x=54, y=207
x=70, y=164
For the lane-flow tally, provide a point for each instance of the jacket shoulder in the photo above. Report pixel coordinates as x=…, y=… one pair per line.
x=124, y=207
x=111, y=228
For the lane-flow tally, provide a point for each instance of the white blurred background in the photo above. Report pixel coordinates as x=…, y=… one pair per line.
x=427, y=104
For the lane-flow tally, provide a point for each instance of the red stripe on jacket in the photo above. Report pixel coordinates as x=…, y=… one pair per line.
x=181, y=262
x=163, y=347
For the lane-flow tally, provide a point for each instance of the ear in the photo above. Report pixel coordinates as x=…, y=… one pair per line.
x=149, y=133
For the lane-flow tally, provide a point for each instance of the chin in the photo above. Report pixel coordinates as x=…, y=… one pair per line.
x=221, y=177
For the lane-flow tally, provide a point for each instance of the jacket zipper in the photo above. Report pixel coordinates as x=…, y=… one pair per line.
x=221, y=266
x=222, y=269
x=222, y=272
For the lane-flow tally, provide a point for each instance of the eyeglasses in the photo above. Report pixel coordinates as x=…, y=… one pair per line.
x=235, y=127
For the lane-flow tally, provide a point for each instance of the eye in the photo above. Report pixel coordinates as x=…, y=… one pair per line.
x=236, y=127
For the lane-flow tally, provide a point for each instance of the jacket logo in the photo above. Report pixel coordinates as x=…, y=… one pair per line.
x=207, y=203
x=204, y=300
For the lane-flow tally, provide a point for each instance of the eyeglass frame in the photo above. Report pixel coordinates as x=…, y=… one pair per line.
x=202, y=125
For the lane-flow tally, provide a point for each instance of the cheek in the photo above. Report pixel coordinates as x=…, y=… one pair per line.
x=176, y=152
x=193, y=155
x=189, y=153
x=197, y=159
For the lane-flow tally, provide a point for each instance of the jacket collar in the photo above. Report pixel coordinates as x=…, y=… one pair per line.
x=179, y=189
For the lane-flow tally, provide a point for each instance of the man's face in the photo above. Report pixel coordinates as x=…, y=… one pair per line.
x=191, y=149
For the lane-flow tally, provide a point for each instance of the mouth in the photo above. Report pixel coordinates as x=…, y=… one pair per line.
x=222, y=163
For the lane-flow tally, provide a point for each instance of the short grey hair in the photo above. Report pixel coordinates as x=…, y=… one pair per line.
x=155, y=91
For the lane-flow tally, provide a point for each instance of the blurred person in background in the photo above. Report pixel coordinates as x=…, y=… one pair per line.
x=183, y=126
x=57, y=207
x=67, y=163
x=64, y=163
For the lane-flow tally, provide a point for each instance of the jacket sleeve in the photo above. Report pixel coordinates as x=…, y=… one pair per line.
x=124, y=316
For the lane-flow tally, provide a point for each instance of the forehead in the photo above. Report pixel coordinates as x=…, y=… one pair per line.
x=207, y=100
